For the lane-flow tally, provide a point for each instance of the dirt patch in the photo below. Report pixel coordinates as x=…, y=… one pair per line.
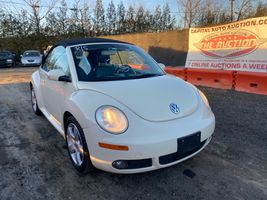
x=16, y=75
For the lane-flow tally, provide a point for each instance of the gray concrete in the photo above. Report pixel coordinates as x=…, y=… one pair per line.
x=34, y=164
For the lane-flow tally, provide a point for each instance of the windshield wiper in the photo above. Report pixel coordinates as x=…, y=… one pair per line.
x=119, y=78
x=147, y=75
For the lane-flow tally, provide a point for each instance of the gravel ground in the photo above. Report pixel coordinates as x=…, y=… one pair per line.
x=34, y=164
x=15, y=75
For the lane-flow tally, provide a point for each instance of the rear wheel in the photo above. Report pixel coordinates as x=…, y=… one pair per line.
x=35, y=107
x=77, y=146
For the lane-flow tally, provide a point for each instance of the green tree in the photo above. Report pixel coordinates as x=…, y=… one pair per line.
x=111, y=18
x=166, y=18
x=51, y=25
x=62, y=18
x=86, y=20
x=129, y=20
x=140, y=19
x=23, y=26
x=99, y=18
x=121, y=18
x=148, y=21
x=74, y=22
x=9, y=23
x=157, y=18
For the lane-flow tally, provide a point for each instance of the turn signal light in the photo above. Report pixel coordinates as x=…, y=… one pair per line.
x=113, y=147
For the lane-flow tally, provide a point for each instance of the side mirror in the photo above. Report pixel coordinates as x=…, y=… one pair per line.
x=162, y=66
x=58, y=75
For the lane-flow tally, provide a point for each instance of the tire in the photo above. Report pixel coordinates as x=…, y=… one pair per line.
x=35, y=107
x=77, y=147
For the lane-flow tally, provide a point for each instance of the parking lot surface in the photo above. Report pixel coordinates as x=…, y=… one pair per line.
x=34, y=163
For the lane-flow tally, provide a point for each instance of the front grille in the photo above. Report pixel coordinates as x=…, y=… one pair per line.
x=3, y=62
x=166, y=159
x=133, y=164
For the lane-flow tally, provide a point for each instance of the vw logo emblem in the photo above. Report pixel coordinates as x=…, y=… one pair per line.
x=174, y=108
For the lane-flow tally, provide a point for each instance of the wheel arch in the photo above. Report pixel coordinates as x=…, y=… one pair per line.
x=31, y=85
x=66, y=115
x=74, y=111
x=35, y=80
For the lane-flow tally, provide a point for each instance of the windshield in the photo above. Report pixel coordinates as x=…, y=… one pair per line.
x=107, y=62
x=5, y=54
x=31, y=54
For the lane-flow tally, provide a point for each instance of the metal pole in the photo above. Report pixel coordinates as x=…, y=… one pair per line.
x=232, y=9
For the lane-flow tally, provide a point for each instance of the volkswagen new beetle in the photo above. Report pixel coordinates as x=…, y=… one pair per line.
x=117, y=109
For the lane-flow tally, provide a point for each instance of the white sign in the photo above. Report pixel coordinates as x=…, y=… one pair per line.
x=236, y=46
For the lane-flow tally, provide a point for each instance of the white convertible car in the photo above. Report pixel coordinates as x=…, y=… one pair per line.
x=117, y=109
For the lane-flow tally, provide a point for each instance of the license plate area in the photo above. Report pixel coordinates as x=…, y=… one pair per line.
x=189, y=143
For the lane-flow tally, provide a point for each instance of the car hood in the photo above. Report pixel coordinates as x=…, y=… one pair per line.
x=5, y=57
x=31, y=58
x=149, y=98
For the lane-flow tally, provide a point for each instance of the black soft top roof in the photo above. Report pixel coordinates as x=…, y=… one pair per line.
x=71, y=42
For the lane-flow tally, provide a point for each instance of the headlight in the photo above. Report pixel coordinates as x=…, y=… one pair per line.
x=9, y=60
x=111, y=119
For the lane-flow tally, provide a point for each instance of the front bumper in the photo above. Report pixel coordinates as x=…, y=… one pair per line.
x=152, y=149
x=24, y=64
x=6, y=64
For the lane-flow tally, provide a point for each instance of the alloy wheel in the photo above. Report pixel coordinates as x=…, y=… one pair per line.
x=75, y=145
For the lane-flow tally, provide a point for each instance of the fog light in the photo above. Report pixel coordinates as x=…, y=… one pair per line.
x=120, y=164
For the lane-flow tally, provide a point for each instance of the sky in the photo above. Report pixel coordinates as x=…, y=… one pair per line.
x=16, y=5
x=148, y=4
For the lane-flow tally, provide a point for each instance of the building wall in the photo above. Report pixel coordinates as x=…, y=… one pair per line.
x=169, y=48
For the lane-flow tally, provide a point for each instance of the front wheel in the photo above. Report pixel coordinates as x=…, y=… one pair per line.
x=77, y=146
x=35, y=107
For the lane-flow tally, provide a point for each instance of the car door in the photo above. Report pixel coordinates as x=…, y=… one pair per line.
x=55, y=92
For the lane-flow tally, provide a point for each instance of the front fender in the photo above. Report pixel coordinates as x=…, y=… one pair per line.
x=35, y=79
x=84, y=103
x=36, y=84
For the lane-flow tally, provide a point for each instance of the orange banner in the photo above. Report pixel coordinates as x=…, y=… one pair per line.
x=238, y=46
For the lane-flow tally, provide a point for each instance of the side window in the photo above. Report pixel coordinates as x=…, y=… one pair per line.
x=62, y=63
x=48, y=64
x=57, y=59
